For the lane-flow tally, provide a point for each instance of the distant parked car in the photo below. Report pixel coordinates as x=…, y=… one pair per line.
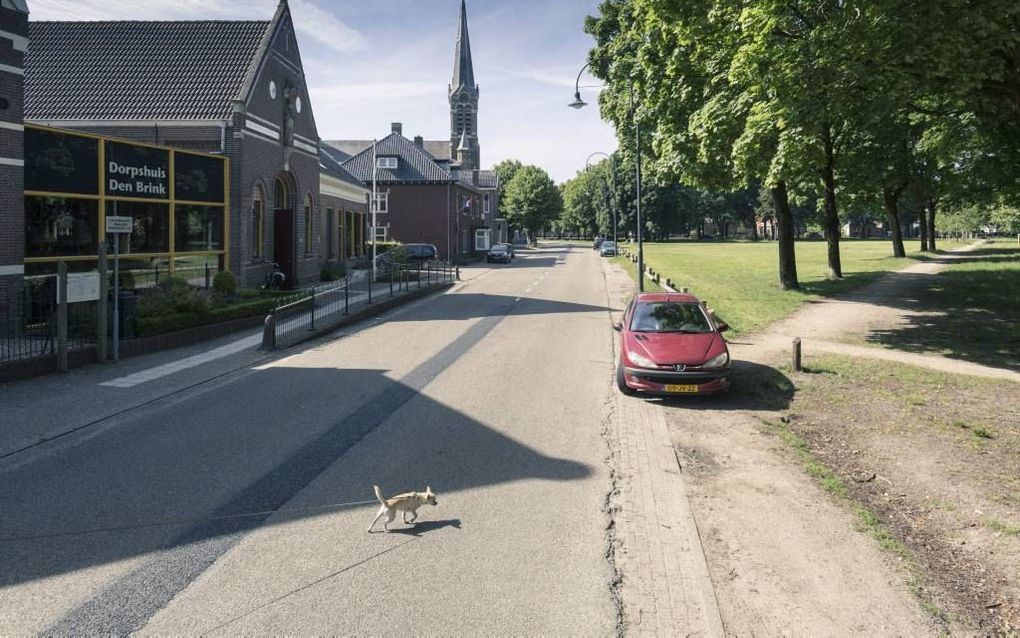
x=671, y=344
x=608, y=249
x=597, y=243
x=498, y=253
x=510, y=249
x=408, y=254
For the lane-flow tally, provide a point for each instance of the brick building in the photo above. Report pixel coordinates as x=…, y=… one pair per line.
x=235, y=88
x=13, y=45
x=434, y=191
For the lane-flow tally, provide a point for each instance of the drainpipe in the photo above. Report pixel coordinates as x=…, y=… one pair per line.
x=448, y=222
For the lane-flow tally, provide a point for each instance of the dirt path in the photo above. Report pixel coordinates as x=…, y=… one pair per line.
x=784, y=558
x=886, y=304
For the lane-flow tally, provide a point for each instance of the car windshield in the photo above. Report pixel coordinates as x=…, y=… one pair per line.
x=669, y=316
x=498, y=248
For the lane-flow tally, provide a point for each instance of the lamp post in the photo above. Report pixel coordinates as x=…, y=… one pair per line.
x=612, y=188
x=578, y=103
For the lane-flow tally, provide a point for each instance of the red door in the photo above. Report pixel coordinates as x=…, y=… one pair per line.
x=284, y=247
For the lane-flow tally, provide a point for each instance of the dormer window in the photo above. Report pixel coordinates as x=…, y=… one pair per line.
x=386, y=162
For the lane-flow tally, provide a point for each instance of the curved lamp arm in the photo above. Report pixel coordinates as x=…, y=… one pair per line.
x=578, y=103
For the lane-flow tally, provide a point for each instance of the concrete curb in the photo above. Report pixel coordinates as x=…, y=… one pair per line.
x=666, y=587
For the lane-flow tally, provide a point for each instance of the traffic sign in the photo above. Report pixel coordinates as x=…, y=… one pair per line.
x=116, y=224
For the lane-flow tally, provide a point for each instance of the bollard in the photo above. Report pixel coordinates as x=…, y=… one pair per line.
x=796, y=355
x=269, y=332
x=458, y=274
x=311, y=328
x=347, y=289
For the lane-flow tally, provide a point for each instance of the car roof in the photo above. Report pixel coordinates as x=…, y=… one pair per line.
x=660, y=297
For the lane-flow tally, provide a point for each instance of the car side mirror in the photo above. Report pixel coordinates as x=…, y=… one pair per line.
x=618, y=327
x=722, y=326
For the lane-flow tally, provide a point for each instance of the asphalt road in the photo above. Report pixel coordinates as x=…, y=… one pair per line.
x=494, y=394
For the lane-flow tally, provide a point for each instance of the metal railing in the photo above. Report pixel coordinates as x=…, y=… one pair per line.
x=322, y=310
x=30, y=322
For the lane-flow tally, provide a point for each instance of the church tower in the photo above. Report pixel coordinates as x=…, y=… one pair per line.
x=464, y=101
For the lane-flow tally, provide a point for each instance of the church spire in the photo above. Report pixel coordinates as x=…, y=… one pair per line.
x=463, y=70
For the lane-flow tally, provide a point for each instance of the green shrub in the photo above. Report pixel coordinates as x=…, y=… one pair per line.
x=332, y=272
x=173, y=295
x=174, y=282
x=160, y=324
x=225, y=283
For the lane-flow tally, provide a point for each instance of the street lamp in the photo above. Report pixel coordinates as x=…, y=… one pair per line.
x=578, y=103
x=612, y=189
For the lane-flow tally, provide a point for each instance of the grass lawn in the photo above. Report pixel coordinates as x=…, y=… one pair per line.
x=739, y=279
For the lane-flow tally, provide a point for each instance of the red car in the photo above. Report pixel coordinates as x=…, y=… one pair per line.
x=670, y=344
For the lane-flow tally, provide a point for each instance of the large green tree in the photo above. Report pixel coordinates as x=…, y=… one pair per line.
x=531, y=200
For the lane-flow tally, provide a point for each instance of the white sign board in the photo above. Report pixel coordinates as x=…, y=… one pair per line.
x=115, y=224
x=82, y=286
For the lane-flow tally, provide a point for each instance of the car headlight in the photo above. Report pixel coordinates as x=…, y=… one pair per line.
x=717, y=361
x=642, y=362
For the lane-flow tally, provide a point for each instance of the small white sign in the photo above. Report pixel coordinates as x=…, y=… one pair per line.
x=115, y=224
x=81, y=286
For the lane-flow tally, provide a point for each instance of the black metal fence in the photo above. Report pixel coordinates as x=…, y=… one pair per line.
x=29, y=322
x=325, y=308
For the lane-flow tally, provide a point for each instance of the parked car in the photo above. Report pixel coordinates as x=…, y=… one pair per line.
x=510, y=249
x=670, y=344
x=498, y=253
x=608, y=249
x=411, y=254
x=597, y=243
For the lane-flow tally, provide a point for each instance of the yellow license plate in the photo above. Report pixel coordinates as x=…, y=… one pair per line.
x=684, y=388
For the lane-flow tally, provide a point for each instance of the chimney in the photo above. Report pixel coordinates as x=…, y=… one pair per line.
x=397, y=128
x=419, y=141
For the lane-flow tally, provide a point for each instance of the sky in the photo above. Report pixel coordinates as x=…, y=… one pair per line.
x=372, y=62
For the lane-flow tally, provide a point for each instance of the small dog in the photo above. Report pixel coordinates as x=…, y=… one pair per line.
x=407, y=502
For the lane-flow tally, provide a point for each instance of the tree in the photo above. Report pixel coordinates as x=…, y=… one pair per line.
x=532, y=201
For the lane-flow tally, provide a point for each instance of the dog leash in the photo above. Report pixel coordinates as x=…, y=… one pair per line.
x=177, y=521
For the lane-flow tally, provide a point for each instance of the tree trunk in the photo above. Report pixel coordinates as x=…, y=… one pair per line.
x=787, y=254
x=922, y=227
x=831, y=213
x=891, y=198
x=931, y=225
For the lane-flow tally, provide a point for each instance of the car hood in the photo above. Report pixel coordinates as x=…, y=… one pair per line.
x=667, y=348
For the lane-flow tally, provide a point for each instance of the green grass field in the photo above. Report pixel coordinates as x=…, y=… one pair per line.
x=740, y=279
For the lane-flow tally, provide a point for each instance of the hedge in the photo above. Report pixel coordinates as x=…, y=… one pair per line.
x=149, y=326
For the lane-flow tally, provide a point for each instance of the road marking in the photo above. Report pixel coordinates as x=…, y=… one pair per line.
x=167, y=369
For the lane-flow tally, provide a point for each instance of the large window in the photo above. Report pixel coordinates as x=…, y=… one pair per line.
x=382, y=202
x=309, y=235
x=198, y=228
x=59, y=226
x=151, y=230
x=176, y=201
x=258, y=222
x=331, y=233
x=280, y=199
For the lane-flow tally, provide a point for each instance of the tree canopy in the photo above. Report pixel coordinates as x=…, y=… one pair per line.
x=531, y=200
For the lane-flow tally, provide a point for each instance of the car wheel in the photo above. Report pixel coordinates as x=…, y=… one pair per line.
x=621, y=382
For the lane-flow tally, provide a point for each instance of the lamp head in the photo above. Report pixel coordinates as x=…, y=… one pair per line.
x=578, y=103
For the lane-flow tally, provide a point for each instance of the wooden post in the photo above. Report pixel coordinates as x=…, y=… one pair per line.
x=62, y=316
x=102, y=339
x=796, y=354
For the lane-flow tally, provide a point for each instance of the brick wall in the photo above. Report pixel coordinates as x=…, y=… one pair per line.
x=12, y=203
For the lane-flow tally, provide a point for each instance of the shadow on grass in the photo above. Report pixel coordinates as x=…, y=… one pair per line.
x=973, y=315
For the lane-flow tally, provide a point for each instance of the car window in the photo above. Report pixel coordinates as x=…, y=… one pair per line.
x=669, y=317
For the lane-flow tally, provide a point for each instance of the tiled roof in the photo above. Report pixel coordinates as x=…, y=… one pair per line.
x=486, y=179
x=350, y=147
x=331, y=162
x=138, y=70
x=439, y=149
x=415, y=164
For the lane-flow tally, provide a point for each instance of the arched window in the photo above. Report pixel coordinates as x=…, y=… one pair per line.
x=308, y=225
x=258, y=222
x=280, y=195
